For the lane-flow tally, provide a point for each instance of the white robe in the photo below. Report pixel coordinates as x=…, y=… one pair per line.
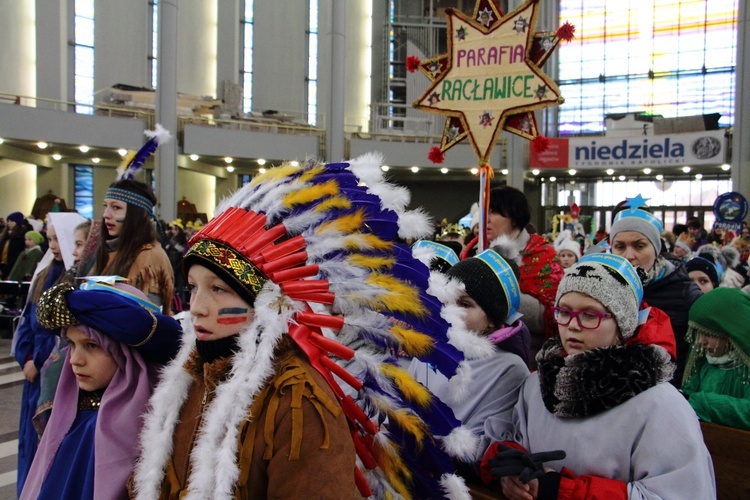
x=495, y=383
x=652, y=442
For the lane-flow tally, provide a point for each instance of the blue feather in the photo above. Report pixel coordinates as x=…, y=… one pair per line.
x=139, y=159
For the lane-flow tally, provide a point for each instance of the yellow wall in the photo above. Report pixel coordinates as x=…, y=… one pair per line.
x=197, y=188
x=19, y=187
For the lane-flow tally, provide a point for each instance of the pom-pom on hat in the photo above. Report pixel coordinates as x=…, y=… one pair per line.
x=491, y=281
x=611, y=280
x=115, y=309
x=16, y=217
x=638, y=220
x=35, y=236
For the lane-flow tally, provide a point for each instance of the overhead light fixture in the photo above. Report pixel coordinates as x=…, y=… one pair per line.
x=444, y=170
x=552, y=179
x=659, y=177
x=385, y=168
x=686, y=169
x=294, y=163
x=261, y=161
x=698, y=177
x=622, y=177
x=504, y=171
x=610, y=171
x=57, y=157
x=230, y=169
x=474, y=171
x=228, y=159
x=726, y=167
x=535, y=171
x=194, y=157
x=84, y=149
x=572, y=171
x=96, y=160
x=262, y=170
x=415, y=169
x=122, y=151
x=42, y=145
x=646, y=171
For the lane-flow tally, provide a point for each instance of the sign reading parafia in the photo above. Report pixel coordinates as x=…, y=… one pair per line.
x=653, y=151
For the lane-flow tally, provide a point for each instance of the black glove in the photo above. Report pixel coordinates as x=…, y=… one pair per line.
x=527, y=466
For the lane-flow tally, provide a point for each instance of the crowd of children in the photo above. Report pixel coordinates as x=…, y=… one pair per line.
x=319, y=355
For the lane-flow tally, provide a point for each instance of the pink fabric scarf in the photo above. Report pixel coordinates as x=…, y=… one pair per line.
x=117, y=427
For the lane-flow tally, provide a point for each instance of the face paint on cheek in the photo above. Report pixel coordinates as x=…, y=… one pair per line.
x=120, y=221
x=231, y=315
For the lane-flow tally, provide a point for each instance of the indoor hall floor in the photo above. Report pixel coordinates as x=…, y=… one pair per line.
x=11, y=387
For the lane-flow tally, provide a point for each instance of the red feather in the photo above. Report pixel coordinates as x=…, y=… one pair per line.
x=540, y=144
x=412, y=63
x=436, y=155
x=566, y=32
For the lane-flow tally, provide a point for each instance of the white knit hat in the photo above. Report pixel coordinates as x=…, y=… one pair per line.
x=565, y=241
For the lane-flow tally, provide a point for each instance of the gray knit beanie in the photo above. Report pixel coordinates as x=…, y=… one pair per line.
x=611, y=280
x=639, y=221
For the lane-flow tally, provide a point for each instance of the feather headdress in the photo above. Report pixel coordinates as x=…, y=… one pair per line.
x=134, y=160
x=326, y=252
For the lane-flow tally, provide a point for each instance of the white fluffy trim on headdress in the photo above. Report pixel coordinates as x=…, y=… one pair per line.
x=509, y=249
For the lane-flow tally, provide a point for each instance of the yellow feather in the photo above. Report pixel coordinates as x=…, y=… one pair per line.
x=371, y=262
x=365, y=241
x=274, y=174
x=310, y=194
x=333, y=203
x=412, y=341
x=311, y=172
x=126, y=160
x=398, y=295
x=413, y=390
x=393, y=467
x=409, y=422
x=345, y=224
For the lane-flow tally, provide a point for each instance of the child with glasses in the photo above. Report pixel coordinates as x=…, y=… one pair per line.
x=599, y=419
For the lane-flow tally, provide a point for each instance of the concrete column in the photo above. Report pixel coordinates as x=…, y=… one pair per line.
x=55, y=74
x=517, y=159
x=166, y=110
x=228, y=34
x=741, y=129
x=335, y=115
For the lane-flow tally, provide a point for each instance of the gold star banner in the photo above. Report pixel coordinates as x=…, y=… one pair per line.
x=490, y=80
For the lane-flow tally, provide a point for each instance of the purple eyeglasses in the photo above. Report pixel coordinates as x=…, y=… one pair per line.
x=587, y=319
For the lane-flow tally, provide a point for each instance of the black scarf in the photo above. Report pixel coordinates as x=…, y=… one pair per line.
x=211, y=350
x=594, y=381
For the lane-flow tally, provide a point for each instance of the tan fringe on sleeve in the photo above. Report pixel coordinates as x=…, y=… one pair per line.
x=152, y=274
x=294, y=380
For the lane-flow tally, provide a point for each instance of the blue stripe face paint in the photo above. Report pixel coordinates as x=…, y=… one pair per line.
x=232, y=310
